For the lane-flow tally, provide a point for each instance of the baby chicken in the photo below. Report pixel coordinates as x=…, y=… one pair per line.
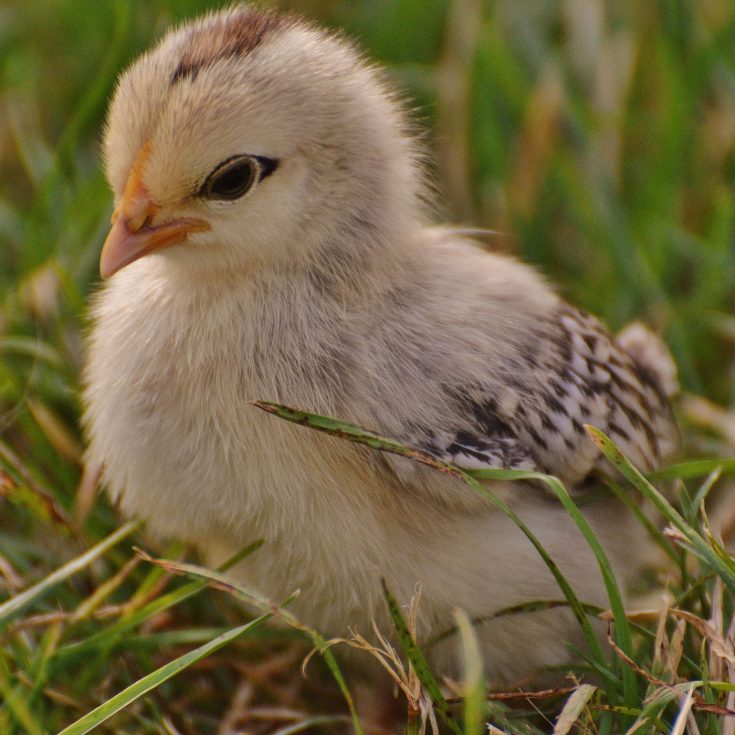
x=271, y=241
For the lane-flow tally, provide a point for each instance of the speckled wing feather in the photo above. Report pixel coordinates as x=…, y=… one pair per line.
x=571, y=374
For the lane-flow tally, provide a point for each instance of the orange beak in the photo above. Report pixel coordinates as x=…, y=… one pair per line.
x=132, y=235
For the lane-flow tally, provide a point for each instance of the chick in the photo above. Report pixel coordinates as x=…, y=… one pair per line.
x=271, y=240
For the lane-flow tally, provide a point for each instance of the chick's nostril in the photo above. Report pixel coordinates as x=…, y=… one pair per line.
x=138, y=223
x=139, y=219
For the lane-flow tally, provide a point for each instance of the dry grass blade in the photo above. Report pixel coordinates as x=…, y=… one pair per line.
x=88, y=606
x=699, y=703
x=417, y=660
x=420, y=710
x=308, y=723
x=521, y=694
x=683, y=716
x=573, y=708
x=720, y=647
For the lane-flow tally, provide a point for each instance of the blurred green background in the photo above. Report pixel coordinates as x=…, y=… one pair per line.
x=596, y=139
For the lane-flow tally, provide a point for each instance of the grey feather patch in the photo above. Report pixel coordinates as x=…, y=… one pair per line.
x=533, y=419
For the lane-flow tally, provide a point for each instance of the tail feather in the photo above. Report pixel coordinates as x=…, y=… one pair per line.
x=651, y=355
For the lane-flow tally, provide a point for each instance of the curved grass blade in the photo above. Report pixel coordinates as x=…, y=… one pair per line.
x=156, y=678
x=312, y=722
x=723, y=567
x=361, y=436
x=620, y=620
x=220, y=582
x=702, y=494
x=354, y=434
x=16, y=604
x=520, y=609
x=111, y=635
x=346, y=431
x=571, y=597
x=693, y=468
x=573, y=708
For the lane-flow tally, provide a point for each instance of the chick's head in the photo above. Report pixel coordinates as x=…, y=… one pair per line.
x=250, y=136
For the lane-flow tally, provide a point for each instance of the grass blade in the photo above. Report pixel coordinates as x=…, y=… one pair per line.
x=220, y=582
x=574, y=603
x=697, y=542
x=693, y=468
x=312, y=722
x=15, y=699
x=16, y=604
x=155, y=678
x=417, y=659
x=352, y=433
x=473, y=683
x=573, y=708
x=111, y=635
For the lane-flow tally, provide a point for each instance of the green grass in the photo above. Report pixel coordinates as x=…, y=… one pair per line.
x=603, y=151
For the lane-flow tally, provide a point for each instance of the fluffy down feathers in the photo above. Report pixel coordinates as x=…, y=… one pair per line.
x=324, y=287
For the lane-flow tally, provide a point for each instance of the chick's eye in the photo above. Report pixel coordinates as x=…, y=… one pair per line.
x=231, y=179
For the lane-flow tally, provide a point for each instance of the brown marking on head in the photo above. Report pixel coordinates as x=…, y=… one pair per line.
x=235, y=34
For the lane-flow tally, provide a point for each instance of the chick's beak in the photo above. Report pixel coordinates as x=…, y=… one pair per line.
x=133, y=235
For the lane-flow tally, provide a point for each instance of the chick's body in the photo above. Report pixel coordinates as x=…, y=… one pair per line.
x=325, y=288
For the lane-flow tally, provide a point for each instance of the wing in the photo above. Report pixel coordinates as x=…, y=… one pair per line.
x=570, y=373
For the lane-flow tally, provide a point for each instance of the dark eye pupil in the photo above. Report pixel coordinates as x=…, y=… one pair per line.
x=233, y=182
